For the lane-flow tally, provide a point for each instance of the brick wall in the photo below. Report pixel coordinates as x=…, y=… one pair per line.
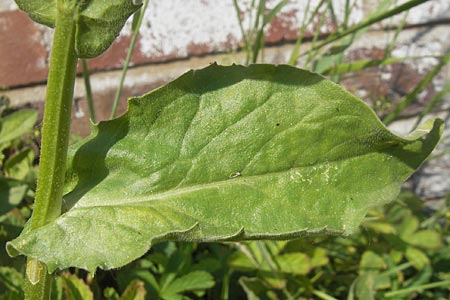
x=178, y=35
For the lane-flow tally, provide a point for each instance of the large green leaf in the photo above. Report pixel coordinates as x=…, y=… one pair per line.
x=98, y=22
x=226, y=153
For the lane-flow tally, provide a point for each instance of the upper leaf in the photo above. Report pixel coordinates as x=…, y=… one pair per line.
x=226, y=153
x=41, y=11
x=98, y=22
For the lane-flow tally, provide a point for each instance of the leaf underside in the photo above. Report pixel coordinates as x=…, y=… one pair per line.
x=226, y=153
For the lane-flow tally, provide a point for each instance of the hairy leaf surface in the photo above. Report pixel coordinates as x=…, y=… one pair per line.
x=226, y=153
x=98, y=22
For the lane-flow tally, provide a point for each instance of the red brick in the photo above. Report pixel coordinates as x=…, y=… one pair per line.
x=22, y=53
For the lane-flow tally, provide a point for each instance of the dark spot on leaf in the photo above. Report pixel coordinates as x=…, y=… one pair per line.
x=278, y=124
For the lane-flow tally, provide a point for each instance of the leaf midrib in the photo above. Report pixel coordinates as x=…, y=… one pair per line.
x=137, y=200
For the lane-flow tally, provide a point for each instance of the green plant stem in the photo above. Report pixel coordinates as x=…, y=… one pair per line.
x=37, y=271
x=323, y=295
x=257, y=42
x=55, y=137
x=393, y=43
x=408, y=99
x=377, y=18
x=241, y=28
x=396, y=269
x=128, y=59
x=87, y=85
x=418, y=288
x=432, y=104
x=316, y=36
x=294, y=54
x=226, y=285
x=358, y=65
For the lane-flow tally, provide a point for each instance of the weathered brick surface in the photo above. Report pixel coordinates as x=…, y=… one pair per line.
x=175, y=29
x=22, y=54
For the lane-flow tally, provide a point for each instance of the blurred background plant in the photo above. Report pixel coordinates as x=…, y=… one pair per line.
x=401, y=251
x=17, y=184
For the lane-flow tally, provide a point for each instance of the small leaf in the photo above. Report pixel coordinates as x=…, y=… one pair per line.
x=382, y=282
x=293, y=263
x=19, y=165
x=197, y=280
x=363, y=288
x=226, y=153
x=255, y=288
x=381, y=227
x=240, y=261
x=370, y=261
x=134, y=291
x=396, y=255
x=417, y=258
x=16, y=124
x=319, y=257
x=41, y=11
x=98, y=22
x=131, y=273
x=11, y=194
x=110, y=294
x=426, y=239
x=208, y=264
x=408, y=226
x=76, y=289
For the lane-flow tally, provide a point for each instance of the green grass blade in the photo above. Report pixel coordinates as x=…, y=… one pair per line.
x=390, y=47
x=241, y=28
x=295, y=52
x=408, y=99
x=250, y=34
x=87, y=85
x=269, y=17
x=418, y=289
x=258, y=43
x=139, y=16
x=348, y=10
x=258, y=27
x=323, y=295
x=312, y=54
x=362, y=64
x=332, y=13
x=375, y=19
x=432, y=104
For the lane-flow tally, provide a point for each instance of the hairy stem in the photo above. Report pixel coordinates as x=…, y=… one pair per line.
x=55, y=137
